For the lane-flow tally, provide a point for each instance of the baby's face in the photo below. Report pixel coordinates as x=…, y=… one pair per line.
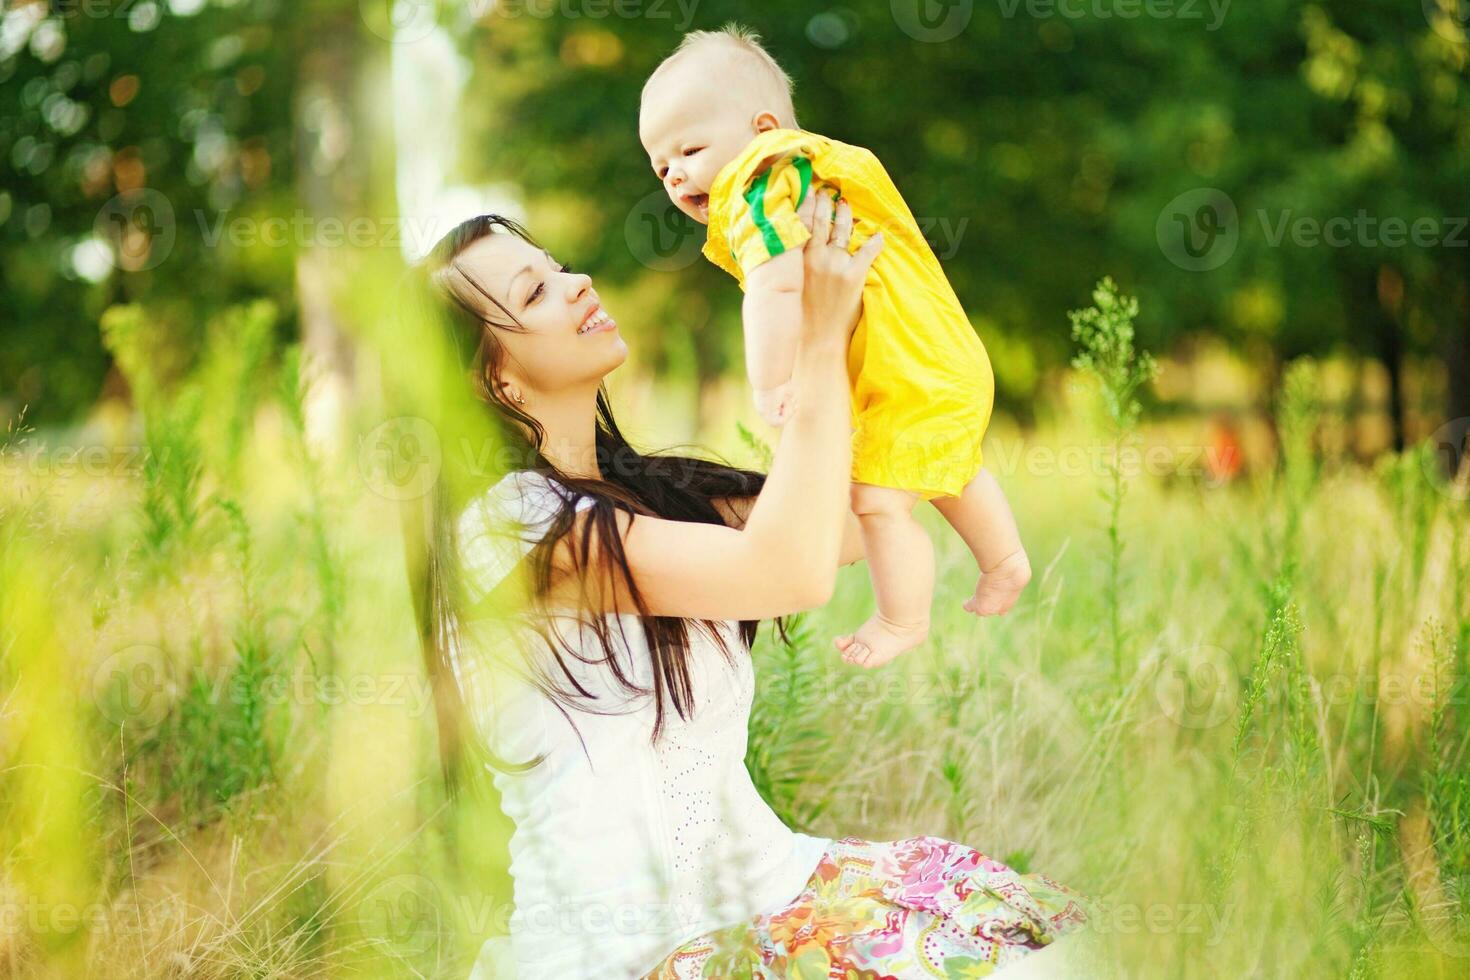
x=691, y=130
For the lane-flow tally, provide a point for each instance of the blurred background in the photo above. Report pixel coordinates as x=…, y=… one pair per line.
x=206, y=207
x=1284, y=182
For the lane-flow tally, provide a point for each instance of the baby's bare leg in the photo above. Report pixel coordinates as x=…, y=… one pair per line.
x=983, y=518
x=901, y=566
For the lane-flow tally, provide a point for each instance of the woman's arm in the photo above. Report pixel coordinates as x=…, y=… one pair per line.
x=736, y=509
x=783, y=559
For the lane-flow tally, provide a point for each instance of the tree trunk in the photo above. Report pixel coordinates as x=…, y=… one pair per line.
x=1456, y=350
x=1390, y=306
x=1376, y=297
x=1454, y=437
x=1391, y=352
x=342, y=165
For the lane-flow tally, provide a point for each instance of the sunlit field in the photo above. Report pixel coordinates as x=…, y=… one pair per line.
x=1231, y=711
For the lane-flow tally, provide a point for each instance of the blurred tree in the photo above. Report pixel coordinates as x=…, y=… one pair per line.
x=1407, y=148
x=130, y=135
x=1040, y=150
x=1190, y=154
x=184, y=157
x=344, y=185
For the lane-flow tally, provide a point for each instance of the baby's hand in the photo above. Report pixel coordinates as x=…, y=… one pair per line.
x=776, y=405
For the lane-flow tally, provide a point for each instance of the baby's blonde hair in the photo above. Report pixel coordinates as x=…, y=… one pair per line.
x=746, y=44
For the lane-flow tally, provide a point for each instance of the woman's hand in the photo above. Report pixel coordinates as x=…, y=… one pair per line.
x=832, y=296
x=783, y=559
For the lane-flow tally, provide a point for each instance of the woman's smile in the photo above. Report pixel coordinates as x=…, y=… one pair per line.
x=596, y=321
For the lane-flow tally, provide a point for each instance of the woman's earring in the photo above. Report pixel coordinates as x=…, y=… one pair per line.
x=517, y=396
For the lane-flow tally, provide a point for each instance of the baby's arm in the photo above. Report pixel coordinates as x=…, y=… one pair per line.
x=766, y=239
x=771, y=313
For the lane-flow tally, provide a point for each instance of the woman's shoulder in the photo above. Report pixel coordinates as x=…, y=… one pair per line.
x=526, y=497
x=499, y=527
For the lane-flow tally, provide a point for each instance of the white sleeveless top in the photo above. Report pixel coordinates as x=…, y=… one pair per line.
x=622, y=850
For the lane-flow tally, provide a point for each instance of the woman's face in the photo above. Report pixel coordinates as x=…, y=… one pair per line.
x=568, y=340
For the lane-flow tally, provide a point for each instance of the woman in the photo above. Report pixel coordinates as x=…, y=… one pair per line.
x=616, y=728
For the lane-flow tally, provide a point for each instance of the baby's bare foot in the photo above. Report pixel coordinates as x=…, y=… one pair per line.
x=880, y=640
x=1001, y=585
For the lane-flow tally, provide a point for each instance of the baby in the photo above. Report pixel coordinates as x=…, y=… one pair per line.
x=720, y=130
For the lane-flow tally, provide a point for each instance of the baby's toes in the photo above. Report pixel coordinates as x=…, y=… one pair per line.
x=996, y=596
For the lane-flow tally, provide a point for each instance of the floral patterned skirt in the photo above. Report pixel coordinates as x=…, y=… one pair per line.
x=916, y=908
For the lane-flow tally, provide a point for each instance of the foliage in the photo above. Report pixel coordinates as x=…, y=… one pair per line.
x=1104, y=332
x=1025, y=187
x=216, y=757
x=1289, y=791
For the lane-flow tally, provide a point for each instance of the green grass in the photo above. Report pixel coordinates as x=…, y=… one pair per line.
x=1235, y=717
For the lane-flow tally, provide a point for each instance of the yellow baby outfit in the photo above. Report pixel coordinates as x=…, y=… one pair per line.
x=921, y=383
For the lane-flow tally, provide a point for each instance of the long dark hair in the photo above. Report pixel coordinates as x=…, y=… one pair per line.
x=665, y=485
